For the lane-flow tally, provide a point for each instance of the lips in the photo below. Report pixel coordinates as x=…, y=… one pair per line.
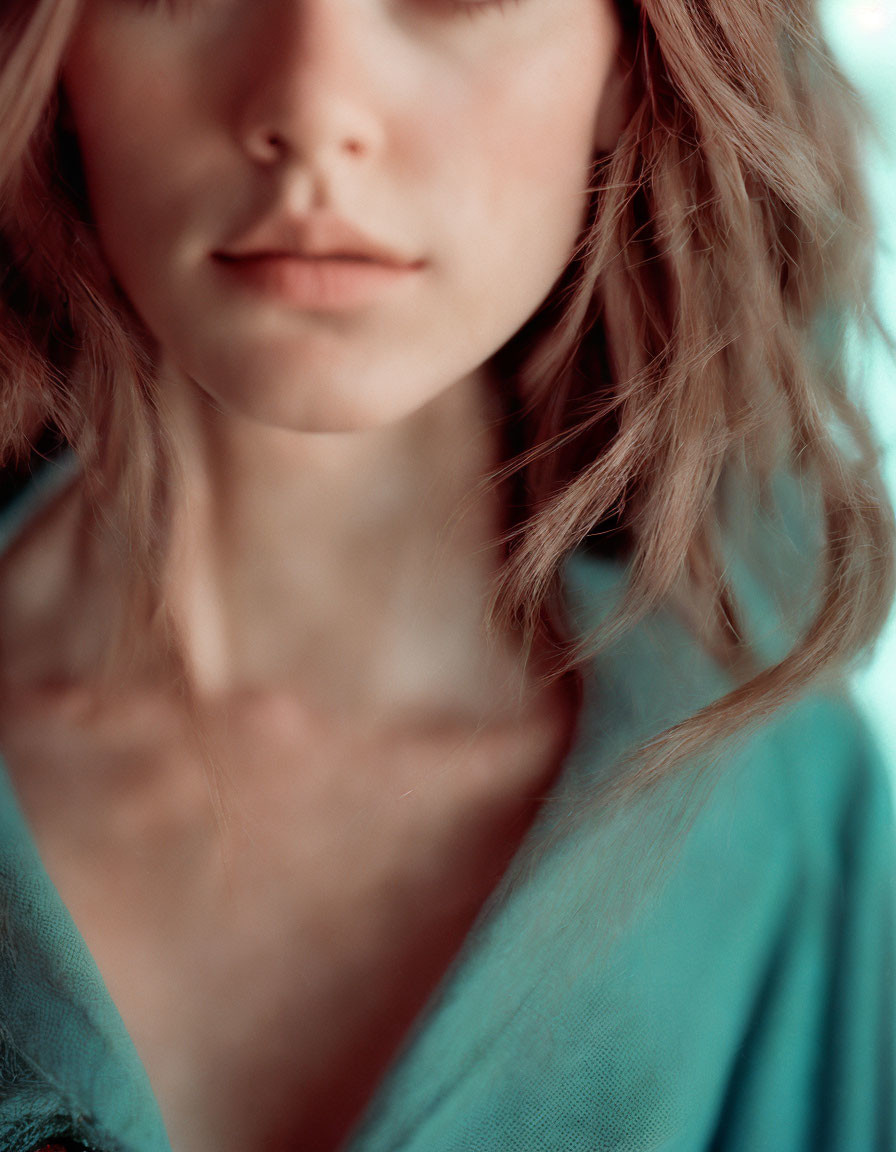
x=320, y=236
x=284, y=254
x=315, y=283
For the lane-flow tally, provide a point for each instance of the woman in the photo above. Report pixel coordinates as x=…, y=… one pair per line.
x=434, y=376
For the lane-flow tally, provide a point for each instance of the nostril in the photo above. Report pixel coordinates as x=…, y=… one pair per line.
x=266, y=146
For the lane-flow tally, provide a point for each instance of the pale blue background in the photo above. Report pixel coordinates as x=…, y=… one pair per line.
x=863, y=34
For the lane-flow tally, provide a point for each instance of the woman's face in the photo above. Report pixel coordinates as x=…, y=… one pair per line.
x=459, y=134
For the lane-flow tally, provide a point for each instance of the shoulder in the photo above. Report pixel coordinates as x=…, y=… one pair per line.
x=809, y=780
x=817, y=751
x=787, y=832
x=736, y=989
x=833, y=765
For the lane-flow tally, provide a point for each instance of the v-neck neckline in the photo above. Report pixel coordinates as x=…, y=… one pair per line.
x=28, y=503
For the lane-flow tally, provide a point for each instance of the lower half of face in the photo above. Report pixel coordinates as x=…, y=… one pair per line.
x=477, y=167
x=373, y=344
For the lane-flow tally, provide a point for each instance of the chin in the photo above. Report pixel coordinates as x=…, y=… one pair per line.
x=320, y=410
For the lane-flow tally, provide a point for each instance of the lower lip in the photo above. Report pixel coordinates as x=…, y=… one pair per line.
x=317, y=283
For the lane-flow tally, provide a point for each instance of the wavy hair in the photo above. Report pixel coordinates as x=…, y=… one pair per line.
x=697, y=335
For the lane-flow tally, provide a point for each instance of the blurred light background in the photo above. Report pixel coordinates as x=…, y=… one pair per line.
x=862, y=34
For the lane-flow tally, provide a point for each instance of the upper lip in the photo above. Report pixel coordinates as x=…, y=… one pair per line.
x=313, y=236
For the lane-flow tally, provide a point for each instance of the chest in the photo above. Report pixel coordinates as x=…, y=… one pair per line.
x=267, y=969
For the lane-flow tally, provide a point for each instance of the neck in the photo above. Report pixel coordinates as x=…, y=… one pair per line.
x=352, y=569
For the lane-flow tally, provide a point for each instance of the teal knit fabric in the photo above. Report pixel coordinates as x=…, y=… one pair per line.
x=743, y=1000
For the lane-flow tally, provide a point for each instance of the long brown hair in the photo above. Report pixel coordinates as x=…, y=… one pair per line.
x=697, y=348
x=695, y=341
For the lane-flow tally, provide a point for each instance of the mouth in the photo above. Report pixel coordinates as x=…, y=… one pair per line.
x=311, y=257
x=319, y=236
x=330, y=282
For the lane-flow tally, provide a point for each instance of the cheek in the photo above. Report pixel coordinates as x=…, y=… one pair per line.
x=134, y=160
x=530, y=124
x=526, y=201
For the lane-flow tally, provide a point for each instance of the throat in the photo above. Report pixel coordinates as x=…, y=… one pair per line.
x=357, y=567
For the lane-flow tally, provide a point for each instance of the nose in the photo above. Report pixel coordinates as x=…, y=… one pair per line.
x=306, y=74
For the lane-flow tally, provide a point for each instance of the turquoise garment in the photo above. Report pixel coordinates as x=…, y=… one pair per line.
x=746, y=1004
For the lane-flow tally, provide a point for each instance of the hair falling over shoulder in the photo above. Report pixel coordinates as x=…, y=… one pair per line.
x=697, y=335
